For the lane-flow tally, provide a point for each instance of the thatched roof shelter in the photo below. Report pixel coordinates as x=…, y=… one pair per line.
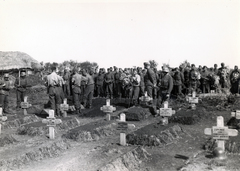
x=17, y=60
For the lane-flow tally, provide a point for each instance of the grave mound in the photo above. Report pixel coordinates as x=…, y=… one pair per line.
x=137, y=114
x=7, y=139
x=231, y=146
x=155, y=135
x=129, y=161
x=46, y=150
x=39, y=128
x=92, y=131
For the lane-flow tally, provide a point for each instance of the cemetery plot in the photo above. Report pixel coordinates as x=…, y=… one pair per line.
x=155, y=135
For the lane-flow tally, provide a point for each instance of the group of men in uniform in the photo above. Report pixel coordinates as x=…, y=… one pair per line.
x=130, y=83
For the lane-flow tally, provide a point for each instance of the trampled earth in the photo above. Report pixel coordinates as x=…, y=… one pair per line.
x=90, y=142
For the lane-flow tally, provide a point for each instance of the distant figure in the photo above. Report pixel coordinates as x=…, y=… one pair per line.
x=22, y=84
x=234, y=79
x=5, y=86
x=88, y=93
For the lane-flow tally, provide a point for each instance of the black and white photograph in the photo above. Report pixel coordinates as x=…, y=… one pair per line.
x=119, y=85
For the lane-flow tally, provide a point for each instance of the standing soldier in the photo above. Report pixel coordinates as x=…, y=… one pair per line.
x=22, y=84
x=108, y=79
x=194, y=79
x=150, y=80
x=165, y=85
x=136, y=79
x=205, y=80
x=66, y=78
x=99, y=79
x=223, y=74
x=54, y=83
x=142, y=84
x=234, y=79
x=5, y=86
x=178, y=82
x=76, y=89
x=88, y=94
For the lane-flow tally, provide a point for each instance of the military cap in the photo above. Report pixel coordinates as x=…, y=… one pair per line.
x=146, y=63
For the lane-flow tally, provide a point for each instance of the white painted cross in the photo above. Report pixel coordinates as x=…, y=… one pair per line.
x=2, y=119
x=25, y=105
x=236, y=114
x=220, y=132
x=108, y=109
x=51, y=122
x=64, y=107
x=123, y=126
x=193, y=100
x=145, y=98
x=166, y=112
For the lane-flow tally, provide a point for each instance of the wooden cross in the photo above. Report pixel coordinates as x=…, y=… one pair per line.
x=51, y=122
x=145, y=98
x=236, y=114
x=166, y=112
x=64, y=107
x=220, y=132
x=2, y=119
x=193, y=100
x=108, y=109
x=123, y=126
x=25, y=105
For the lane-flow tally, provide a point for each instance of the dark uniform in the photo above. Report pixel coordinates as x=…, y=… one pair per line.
x=108, y=79
x=55, y=91
x=165, y=85
x=235, y=79
x=5, y=86
x=22, y=84
x=150, y=80
x=76, y=90
x=89, y=90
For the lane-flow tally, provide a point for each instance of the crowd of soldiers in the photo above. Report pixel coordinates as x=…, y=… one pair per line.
x=130, y=83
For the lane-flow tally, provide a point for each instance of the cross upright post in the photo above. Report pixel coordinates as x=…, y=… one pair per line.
x=51, y=122
x=64, y=107
x=2, y=119
x=25, y=105
x=123, y=126
x=165, y=112
x=108, y=109
x=220, y=132
x=193, y=100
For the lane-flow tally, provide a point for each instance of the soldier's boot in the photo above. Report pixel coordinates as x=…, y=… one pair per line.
x=58, y=112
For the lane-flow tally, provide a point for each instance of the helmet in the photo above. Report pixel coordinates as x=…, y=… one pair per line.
x=219, y=153
x=6, y=75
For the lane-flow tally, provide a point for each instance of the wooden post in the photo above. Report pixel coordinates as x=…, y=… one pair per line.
x=25, y=105
x=2, y=119
x=165, y=113
x=123, y=126
x=193, y=100
x=220, y=132
x=108, y=109
x=51, y=123
x=64, y=107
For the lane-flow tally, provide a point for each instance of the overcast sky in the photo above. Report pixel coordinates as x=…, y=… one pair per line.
x=125, y=33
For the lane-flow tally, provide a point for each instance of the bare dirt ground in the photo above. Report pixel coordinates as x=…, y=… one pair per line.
x=95, y=142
